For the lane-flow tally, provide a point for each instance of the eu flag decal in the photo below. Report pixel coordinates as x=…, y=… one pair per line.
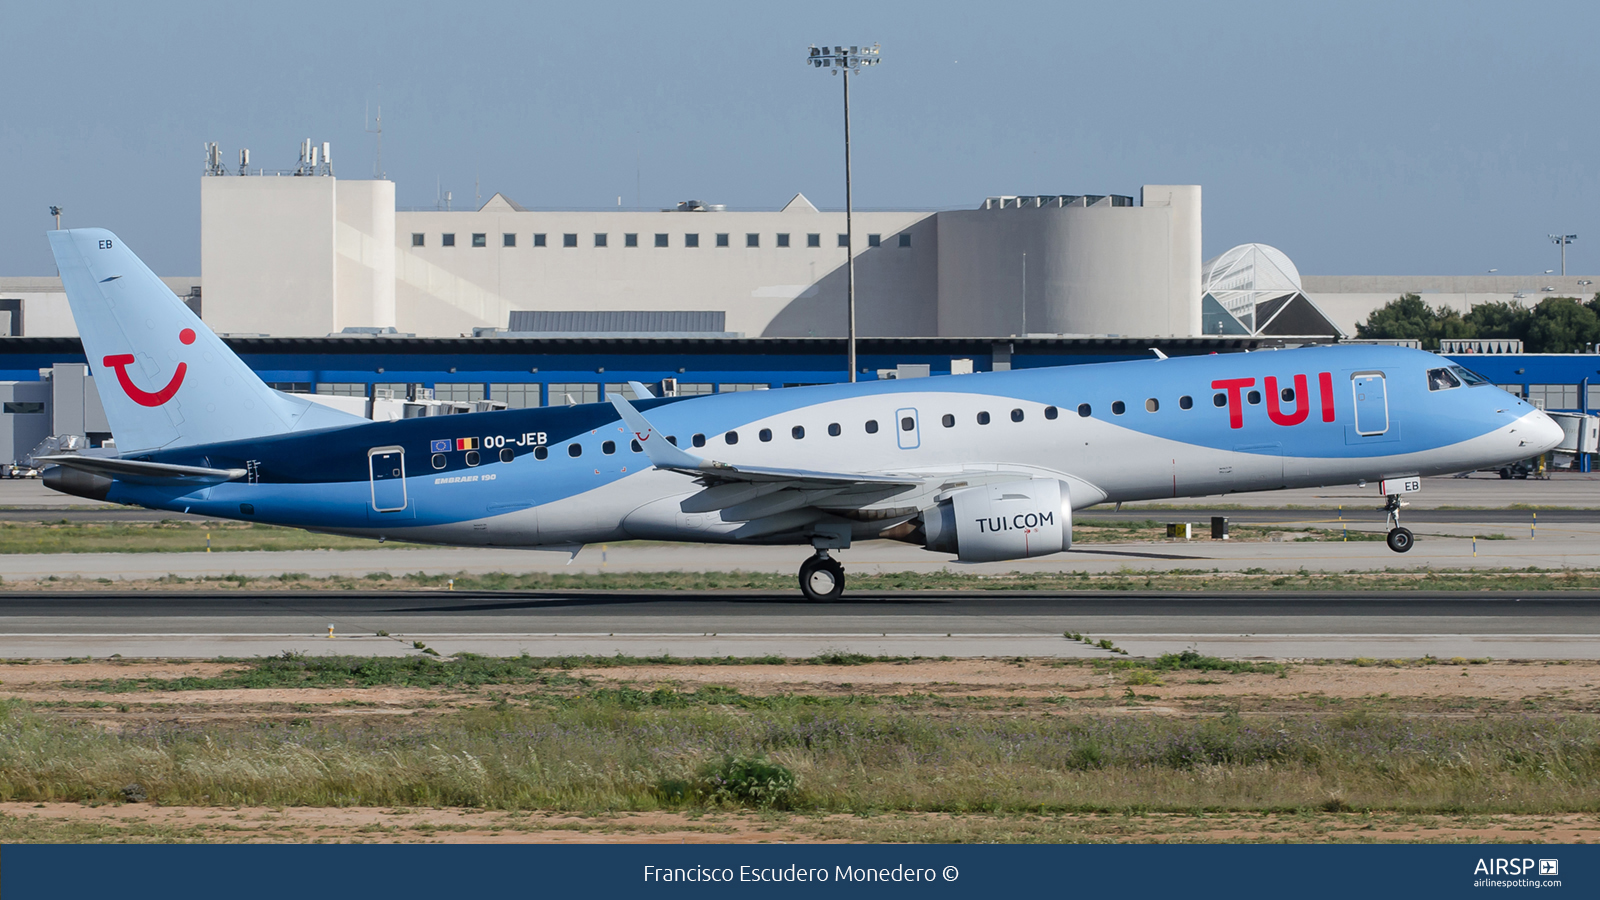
x=439, y=447
x=467, y=443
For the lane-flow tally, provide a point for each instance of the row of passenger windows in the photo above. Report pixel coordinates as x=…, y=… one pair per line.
x=906, y=423
x=631, y=239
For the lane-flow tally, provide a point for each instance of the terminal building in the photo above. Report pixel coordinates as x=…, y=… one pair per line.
x=325, y=287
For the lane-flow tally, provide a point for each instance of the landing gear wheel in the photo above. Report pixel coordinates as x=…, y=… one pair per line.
x=822, y=579
x=1400, y=540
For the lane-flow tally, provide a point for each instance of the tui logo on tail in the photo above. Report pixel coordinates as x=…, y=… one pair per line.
x=121, y=361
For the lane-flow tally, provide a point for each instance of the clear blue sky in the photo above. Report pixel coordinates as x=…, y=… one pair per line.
x=1360, y=138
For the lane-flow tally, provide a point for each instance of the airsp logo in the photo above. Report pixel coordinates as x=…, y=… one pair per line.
x=1502, y=866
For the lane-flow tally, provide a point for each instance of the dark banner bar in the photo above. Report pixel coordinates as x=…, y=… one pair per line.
x=312, y=872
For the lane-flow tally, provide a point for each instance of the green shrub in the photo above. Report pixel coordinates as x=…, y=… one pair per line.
x=749, y=781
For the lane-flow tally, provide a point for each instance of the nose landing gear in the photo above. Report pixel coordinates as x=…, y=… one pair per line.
x=822, y=578
x=1400, y=539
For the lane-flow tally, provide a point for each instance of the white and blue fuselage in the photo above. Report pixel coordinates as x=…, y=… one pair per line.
x=987, y=466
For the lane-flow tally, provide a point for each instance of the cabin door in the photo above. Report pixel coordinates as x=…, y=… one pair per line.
x=387, y=466
x=1372, y=403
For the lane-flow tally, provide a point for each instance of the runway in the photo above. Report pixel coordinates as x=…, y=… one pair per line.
x=991, y=624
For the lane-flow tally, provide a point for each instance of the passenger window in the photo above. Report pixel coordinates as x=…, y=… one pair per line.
x=1186, y=402
x=1442, y=380
x=1287, y=394
x=764, y=434
x=731, y=437
x=574, y=449
x=698, y=440
x=1219, y=400
x=438, y=460
x=908, y=424
x=949, y=421
x=634, y=446
x=1016, y=415
x=1050, y=412
x=541, y=452
x=1084, y=410
x=507, y=454
x=834, y=430
x=983, y=418
x=672, y=439
x=472, y=457
x=1152, y=405
x=1253, y=398
x=608, y=448
x=1118, y=408
x=872, y=426
x=797, y=432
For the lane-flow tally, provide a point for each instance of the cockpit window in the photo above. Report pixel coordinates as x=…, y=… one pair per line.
x=1468, y=377
x=1442, y=380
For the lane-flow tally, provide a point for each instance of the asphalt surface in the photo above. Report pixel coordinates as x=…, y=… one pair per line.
x=1270, y=625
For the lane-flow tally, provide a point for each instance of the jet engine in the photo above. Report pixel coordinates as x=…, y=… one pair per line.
x=1010, y=520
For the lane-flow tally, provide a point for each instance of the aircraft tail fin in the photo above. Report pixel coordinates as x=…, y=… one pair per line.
x=165, y=379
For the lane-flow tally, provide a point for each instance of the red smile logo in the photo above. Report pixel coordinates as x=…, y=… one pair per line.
x=121, y=361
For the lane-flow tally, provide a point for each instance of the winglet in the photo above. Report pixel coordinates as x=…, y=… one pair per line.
x=640, y=391
x=662, y=454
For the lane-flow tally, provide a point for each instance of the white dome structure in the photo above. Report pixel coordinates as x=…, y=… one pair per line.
x=1253, y=287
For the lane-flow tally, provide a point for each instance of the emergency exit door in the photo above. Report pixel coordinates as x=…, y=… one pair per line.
x=387, y=466
x=908, y=429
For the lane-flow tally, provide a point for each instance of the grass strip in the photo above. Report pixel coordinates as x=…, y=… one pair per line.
x=715, y=749
x=170, y=537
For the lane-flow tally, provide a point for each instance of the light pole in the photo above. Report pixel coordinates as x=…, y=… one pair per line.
x=848, y=60
x=56, y=211
x=1563, y=240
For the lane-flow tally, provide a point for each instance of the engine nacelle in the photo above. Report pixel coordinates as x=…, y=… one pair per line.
x=1011, y=520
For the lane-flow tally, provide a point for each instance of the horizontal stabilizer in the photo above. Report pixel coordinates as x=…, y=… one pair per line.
x=131, y=469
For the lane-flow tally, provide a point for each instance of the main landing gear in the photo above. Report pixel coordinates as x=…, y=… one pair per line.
x=1400, y=539
x=822, y=578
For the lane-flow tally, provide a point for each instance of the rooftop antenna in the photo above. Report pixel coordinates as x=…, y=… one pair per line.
x=244, y=161
x=376, y=127
x=327, y=159
x=477, y=195
x=214, y=160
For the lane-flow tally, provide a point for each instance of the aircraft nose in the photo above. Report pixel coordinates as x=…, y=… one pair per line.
x=1543, y=434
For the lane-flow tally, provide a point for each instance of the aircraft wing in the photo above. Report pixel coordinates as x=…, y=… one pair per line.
x=136, y=470
x=664, y=455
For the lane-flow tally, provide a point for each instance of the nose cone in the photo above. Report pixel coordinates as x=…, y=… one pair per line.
x=1541, y=433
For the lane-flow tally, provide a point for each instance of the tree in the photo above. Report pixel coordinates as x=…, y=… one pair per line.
x=1404, y=318
x=1499, y=319
x=1408, y=317
x=1561, y=325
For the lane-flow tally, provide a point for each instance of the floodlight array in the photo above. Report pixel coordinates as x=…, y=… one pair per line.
x=851, y=59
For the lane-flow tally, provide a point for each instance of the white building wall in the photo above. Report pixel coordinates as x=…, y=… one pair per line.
x=1103, y=269
x=764, y=290
x=267, y=254
x=364, y=239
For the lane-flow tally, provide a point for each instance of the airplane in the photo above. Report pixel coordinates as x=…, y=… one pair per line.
x=985, y=467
